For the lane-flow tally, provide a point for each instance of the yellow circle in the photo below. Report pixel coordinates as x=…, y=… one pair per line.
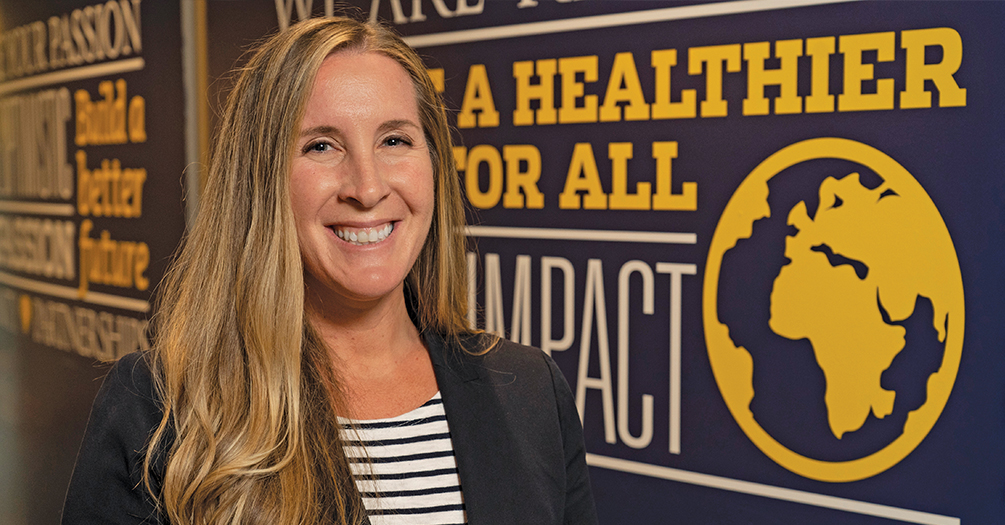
x=733, y=365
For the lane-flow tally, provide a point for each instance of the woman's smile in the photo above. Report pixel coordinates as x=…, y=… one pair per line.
x=363, y=236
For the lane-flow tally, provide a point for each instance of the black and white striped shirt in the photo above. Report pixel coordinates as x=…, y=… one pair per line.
x=414, y=479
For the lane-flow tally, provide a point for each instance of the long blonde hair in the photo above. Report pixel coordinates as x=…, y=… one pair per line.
x=249, y=433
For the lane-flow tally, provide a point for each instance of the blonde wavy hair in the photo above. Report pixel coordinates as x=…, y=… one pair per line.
x=249, y=433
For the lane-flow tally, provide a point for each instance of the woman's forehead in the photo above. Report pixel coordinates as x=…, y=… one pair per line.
x=355, y=85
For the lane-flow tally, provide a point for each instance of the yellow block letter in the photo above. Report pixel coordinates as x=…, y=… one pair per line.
x=623, y=73
x=619, y=153
x=855, y=72
x=663, y=60
x=950, y=93
x=715, y=57
x=820, y=100
x=572, y=90
x=544, y=92
x=786, y=76
x=583, y=176
x=526, y=180
x=490, y=197
x=687, y=200
x=478, y=96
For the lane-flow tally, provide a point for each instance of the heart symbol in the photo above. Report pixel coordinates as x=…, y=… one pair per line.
x=25, y=305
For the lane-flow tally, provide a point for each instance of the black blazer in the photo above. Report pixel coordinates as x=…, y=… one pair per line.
x=513, y=422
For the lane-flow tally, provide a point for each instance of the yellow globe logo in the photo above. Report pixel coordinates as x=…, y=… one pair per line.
x=829, y=336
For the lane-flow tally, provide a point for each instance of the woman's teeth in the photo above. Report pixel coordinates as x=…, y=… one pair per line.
x=365, y=235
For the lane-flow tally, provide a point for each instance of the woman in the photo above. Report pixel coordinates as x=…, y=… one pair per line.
x=317, y=307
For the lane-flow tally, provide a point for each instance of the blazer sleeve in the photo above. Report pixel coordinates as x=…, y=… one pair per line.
x=579, y=505
x=107, y=483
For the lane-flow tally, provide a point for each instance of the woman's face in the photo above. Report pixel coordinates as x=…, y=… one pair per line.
x=361, y=180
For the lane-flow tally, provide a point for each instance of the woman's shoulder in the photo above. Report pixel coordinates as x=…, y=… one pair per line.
x=484, y=347
x=494, y=359
x=127, y=407
x=130, y=381
x=133, y=368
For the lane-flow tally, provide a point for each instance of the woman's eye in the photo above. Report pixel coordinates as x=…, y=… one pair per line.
x=319, y=147
x=396, y=141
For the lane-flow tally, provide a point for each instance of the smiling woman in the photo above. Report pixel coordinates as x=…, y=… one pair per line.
x=313, y=362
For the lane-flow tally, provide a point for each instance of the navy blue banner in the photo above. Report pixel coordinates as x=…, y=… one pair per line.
x=762, y=243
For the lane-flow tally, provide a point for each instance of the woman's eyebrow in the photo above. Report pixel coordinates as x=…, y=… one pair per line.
x=325, y=129
x=397, y=123
x=320, y=130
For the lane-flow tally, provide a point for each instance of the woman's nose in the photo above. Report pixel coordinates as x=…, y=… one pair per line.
x=365, y=184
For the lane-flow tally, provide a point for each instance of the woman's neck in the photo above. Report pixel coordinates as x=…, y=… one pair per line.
x=362, y=329
x=377, y=354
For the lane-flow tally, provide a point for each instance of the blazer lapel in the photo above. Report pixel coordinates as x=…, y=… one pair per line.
x=474, y=414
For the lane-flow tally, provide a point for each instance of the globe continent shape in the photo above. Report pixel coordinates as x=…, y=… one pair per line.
x=857, y=265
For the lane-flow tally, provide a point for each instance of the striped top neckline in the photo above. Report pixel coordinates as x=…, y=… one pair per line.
x=404, y=467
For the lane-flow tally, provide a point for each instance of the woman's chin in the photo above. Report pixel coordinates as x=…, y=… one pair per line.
x=359, y=293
